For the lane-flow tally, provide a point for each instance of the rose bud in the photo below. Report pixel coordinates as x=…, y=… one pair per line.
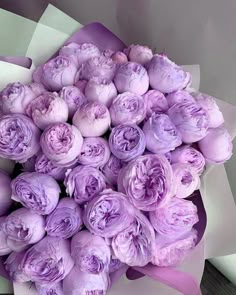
x=112, y=168
x=188, y=155
x=36, y=191
x=4, y=248
x=155, y=102
x=5, y=192
x=115, y=264
x=210, y=106
x=81, y=283
x=81, y=84
x=172, y=252
x=131, y=77
x=174, y=219
x=166, y=76
x=22, y=228
x=119, y=57
x=186, y=180
x=12, y=266
x=84, y=183
x=127, y=142
x=100, y=90
x=65, y=220
x=48, y=262
x=139, y=54
x=216, y=146
x=191, y=121
x=127, y=108
x=95, y=152
x=29, y=165
x=108, y=214
x=147, y=181
x=92, y=119
x=47, y=109
x=100, y=66
x=135, y=245
x=161, y=134
x=55, y=289
x=180, y=96
x=56, y=73
x=61, y=143
x=15, y=97
x=19, y=138
x=90, y=253
x=79, y=53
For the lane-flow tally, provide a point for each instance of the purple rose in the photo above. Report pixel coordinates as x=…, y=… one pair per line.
x=112, y=168
x=12, y=266
x=161, y=134
x=65, y=220
x=186, y=180
x=95, y=152
x=92, y=119
x=135, y=245
x=4, y=248
x=48, y=262
x=166, y=76
x=147, y=181
x=74, y=98
x=180, y=96
x=36, y=191
x=81, y=84
x=108, y=214
x=191, y=121
x=19, y=138
x=5, y=193
x=15, y=97
x=131, y=77
x=174, y=219
x=56, y=73
x=61, y=143
x=100, y=90
x=127, y=142
x=47, y=109
x=139, y=54
x=55, y=289
x=90, y=253
x=155, y=102
x=84, y=183
x=127, y=108
x=216, y=146
x=188, y=155
x=119, y=57
x=173, y=252
x=115, y=264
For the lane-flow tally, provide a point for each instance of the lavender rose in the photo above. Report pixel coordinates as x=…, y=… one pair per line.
x=147, y=181
x=55, y=289
x=108, y=214
x=119, y=57
x=95, y=152
x=65, y=220
x=155, y=102
x=161, y=134
x=139, y=54
x=61, y=143
x=112, y=168
x=5, y=192
x=84, y=183
x=180, y=96
x=92, y=119
x=127, y=108
x=191, y=121
x=47, y=109
x=127, y=142
x=166, y=76
x=4, y=248
x=90, y=253
x=12, y=266
x=36, y=191
x=48, y=262
x=19, y=138
x=131, y=77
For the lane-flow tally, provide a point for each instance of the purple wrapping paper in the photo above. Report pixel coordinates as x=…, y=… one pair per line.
x=22, y=61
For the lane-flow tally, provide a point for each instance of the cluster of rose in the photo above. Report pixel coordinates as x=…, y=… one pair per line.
x=111, y=145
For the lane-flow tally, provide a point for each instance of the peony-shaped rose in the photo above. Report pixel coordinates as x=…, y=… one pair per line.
x=127, y=108
x=4, y=248
x=65, y=220
x=127, y=142
x=139, y=54
x=191, y=121
x=47, y=109
x=216, y=146
x=119, y=57
x=84, y=183
x=92, y=119
x=155, y=102
x=12, y=266
x=5, y=192
x=161, y=134
x=112, y=169
x=166, y=76
x=55, y=289
x=61, y=143
x=36, y=191
x=108, y=214
x=19, y=138
x=131, y=77
x=179, y=96
x=90, y=253
x=147, y=181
